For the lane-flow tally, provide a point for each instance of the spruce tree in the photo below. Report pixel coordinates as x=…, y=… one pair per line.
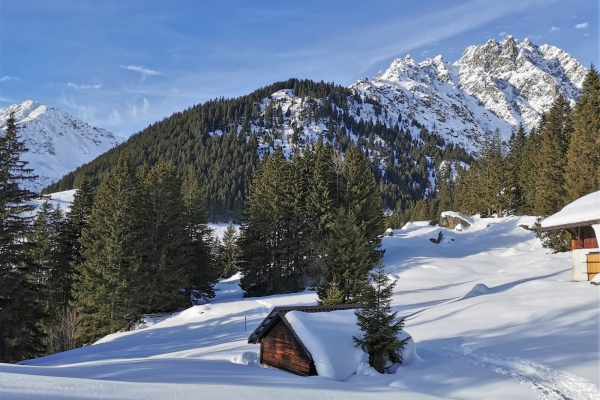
x=378, y=323
x=582, y=172
x=165, y=263
x=69, y=253
x=361, y=196
x=229, y=252
x=348, y=259
x=201, y=267
x=555, y=133
x=109, y=283
x=515, y=174
x=21, y=306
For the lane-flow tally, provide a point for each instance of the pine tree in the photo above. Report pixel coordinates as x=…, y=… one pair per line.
x=165, y=264
x=529, y=170
x=582, y=172
x=229, y=252
x=515, y=174
x=320, y=206
x=108, y=286
x=265, y=263
x=555, y=133
x=378, y=323
x=21, y=334
x=69, y=252
x=361, y=196
x=348, y=259
x=202, y=269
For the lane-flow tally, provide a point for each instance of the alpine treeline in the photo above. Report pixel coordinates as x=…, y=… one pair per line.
x=313, y=220
x=531, y=174
x=138, y=244
x=223, y=140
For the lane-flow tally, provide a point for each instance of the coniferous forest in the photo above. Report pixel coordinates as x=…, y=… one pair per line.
x=136, y=239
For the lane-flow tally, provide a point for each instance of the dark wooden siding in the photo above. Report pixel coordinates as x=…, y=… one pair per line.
x=281, y=349
x=584, y=238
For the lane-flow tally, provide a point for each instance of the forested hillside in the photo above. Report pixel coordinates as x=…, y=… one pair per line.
x=223, y=139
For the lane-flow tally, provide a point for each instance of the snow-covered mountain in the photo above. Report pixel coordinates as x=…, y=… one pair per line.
x=497, y=85
x=58, y=142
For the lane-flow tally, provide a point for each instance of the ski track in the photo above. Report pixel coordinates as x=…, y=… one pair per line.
x=550, y=384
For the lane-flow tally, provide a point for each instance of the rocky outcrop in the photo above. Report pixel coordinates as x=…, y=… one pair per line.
x=451, y=220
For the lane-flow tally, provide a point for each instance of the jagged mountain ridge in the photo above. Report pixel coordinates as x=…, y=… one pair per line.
x=58, y=142
x=498, y=85
x=409, y=120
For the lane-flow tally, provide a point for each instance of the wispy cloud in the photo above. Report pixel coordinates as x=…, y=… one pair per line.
x=555, y=29
x=582, y=26
x=145, y=72
x=139, y=111
x=586, y=34
x=9, y=78
x=441, y=25
x=503, y=34
x=83, y=87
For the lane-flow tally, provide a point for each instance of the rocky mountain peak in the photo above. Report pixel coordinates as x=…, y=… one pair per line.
x=496, y=85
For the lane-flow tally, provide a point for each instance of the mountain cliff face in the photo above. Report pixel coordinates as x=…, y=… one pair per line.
x=498, y=85
x=57, y=141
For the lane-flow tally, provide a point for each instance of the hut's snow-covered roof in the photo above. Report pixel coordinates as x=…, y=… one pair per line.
x=584, y=211
x=328, y=338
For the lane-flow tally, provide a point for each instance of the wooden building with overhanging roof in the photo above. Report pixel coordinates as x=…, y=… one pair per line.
x=581, y=219
x=280, y=347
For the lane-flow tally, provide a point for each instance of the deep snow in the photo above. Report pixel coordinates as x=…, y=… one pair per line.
x=493, y=315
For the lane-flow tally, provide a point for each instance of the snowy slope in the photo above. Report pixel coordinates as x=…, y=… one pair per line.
x=493, y=315
x=58, y=142
x=498, y=85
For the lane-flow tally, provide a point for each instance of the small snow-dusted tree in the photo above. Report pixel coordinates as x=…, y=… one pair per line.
x=378, y=323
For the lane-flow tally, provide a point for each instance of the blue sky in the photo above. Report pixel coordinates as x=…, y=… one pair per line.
x=123, y=65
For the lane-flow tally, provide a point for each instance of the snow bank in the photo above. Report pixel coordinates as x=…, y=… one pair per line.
x=584, y=209
x=247, y=358
x=415, y=224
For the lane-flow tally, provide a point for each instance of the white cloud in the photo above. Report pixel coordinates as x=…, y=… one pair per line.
x=582, y=26
x=83, y=87
x=8, y=78
x=136, y=111
x=586, y=34
x=145, y=72
x=503, y=34
x=554, y=29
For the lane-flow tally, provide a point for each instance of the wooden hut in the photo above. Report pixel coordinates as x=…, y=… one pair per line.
x=581, y=219
x=280, y=347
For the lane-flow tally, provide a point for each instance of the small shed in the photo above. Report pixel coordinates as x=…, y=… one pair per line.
x=581, y=219
x=280, y=346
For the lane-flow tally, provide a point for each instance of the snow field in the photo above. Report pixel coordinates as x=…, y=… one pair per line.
x=492, y=315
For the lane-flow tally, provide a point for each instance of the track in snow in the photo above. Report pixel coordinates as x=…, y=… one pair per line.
x=550, y=384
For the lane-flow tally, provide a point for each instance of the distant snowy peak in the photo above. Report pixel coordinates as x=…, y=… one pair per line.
x=497, y=85
x=58, y=142
x=518, y=82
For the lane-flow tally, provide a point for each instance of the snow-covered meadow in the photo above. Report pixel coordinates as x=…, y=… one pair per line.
x=492, y=314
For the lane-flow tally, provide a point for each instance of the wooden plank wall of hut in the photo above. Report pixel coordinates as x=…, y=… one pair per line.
x=280, y=349
x=584, y=238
